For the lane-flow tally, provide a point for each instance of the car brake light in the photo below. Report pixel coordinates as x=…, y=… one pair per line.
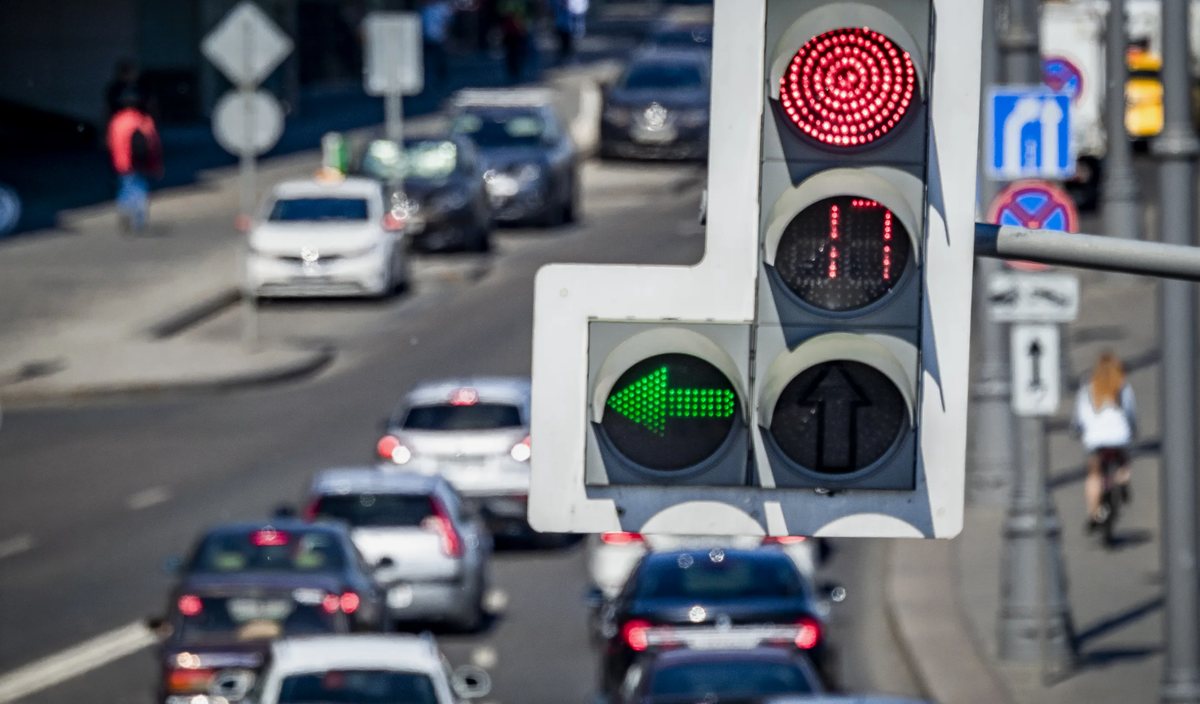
x=268, y=538
x=522, y=451
x=808, y=633
x=783, y=539
x=390, y=448
x=464, y=397
x=621, y=538
x=441, y=524
x=190, y=605
x=331, y=603
x=393, y=222
x=349, y=602
x=636, y=634
x=189, y=681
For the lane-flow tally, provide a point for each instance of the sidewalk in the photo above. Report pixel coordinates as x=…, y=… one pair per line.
x=945, y=596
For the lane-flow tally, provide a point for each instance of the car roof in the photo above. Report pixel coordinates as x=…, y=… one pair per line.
x=682, y=656
x=385, y=652
x=363, y=480
x=350, y=186
x=491, y=389
x=284, y=524
x=502, y=97
x=672, y=55
x=734, y=553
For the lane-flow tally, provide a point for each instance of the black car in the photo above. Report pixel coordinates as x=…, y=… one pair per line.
x=248, y=584
x=435, y=189
x=531, y=168
x=716, y=599
x=659, y=108
x=711, y=676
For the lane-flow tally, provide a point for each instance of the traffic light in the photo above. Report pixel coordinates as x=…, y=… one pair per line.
x=809, y=376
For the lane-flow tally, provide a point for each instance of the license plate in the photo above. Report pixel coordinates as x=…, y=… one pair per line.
x=723, y=641
x=663, y=136
x=243, y=610
x=400, y=597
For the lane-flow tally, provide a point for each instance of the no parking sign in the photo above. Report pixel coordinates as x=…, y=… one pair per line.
x=1037, y=205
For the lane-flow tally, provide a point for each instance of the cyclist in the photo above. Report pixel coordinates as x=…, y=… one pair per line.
x=1106, y=420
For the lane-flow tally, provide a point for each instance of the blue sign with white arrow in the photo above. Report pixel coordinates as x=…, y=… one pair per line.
x=1029, y=134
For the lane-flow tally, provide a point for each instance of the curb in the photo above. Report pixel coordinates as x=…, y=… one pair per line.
x=925, y=607
x=179, y=321
x=311, y=364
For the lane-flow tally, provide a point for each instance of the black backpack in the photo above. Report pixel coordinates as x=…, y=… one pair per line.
x=139, y=151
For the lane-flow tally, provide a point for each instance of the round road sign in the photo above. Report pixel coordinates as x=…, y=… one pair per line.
x=839, y=417
x=670, y=412
x=10, y=210
x=1037, y=205
x=1062, y=76
x=247, y=122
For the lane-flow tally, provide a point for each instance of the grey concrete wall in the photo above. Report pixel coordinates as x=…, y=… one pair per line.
x=58, y=55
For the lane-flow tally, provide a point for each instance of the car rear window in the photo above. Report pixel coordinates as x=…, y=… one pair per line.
x=320, y=209
x=269, y=551
x=395, y=510
x=664, y=76
x=478, y=416
x=747, y=678
x=357, y=687
x=717, y=577
x=254, y=618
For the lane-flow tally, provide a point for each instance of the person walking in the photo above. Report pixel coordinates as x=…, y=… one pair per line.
x=136, y=152
x=514, y=23
x=1106, y=421
x=569, y=21
x=436, y=16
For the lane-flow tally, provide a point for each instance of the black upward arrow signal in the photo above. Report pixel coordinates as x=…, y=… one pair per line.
x=835, y=400
x=1035, y=357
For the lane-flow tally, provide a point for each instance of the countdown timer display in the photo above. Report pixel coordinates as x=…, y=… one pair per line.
x=843, y=253
x=670, y=412
x=838, y=417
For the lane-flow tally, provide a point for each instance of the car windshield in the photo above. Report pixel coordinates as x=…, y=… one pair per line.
x=718, y=577
x=248, y=619
x=429, y=159
x=318, y=209
x=478, y=416
x=269, y=550
x=357, y=687
x=700, y=680
x=507, y=128
x=662, y=75
x=395, y=510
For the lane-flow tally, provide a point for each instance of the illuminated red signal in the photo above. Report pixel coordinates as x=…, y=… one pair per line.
x=848, y=87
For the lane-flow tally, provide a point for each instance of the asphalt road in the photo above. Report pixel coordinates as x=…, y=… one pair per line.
x=94, y=498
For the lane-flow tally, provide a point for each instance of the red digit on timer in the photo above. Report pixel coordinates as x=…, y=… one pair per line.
x=833, y=236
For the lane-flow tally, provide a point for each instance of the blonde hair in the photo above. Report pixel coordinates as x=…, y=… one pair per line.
x=1107, y=381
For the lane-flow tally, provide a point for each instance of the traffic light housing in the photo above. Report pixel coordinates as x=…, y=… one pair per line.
x=809, y=375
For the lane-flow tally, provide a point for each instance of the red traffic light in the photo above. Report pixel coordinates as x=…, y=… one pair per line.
x=848, y=87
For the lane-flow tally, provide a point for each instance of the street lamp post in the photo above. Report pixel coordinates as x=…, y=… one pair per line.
x=1122, y=211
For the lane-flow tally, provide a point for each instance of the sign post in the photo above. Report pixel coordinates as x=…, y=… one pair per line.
x=394, y=64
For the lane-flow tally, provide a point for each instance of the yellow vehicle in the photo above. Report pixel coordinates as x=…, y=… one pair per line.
x=1143, y=95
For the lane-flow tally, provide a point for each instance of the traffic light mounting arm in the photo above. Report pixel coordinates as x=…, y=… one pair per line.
x=1088, y=251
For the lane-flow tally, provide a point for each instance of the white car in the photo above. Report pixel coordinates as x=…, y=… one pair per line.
x=331, y=237
x=612, y=556
x=366, y=669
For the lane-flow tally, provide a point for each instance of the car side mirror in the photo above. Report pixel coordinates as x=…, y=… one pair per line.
x=834, y=592
x=171, y=565
x=470, y=682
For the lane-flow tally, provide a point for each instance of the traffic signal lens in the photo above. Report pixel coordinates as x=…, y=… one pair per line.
x=848, y=87
x=843, y=253
x=838, y=417
x=670, y=412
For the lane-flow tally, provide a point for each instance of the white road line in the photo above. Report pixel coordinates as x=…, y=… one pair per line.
x=15, y=546
x=75, y=661
x=150, y=497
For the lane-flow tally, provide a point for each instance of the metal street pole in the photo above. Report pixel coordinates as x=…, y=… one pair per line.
x=991, y=467
x=1034, y=623
x=1176, y=149
x=1122, y=201
x=393, y=117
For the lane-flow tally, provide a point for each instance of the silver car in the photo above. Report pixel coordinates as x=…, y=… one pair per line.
x=475, y=433
x=429, y=550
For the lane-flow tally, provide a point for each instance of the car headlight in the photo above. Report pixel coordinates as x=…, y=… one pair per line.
x=617, y=116
x=500, y=185
x=693, y=118
x=529, y=173
x=448, y=201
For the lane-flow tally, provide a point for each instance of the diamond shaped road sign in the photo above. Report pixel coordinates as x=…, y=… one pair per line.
x=246, y=46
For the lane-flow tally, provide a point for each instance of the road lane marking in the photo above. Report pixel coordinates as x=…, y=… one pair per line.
x=150, y=497
x=74, y=661
x=495, y=602
x=15, y=546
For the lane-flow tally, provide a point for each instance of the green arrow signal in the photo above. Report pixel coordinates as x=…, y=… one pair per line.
x=649, y=402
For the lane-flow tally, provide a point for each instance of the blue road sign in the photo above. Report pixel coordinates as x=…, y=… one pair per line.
x=1030, y=134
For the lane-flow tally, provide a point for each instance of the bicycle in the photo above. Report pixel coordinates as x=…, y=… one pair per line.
x=1111, y=459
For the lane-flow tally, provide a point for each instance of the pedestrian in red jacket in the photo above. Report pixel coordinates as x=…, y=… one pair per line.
x=136, y=154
